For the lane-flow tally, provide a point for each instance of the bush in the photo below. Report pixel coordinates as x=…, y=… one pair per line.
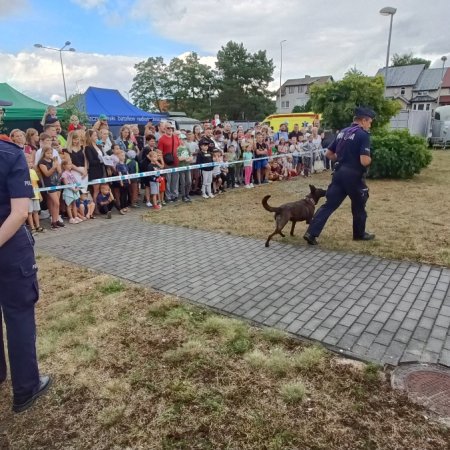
x=398, y=154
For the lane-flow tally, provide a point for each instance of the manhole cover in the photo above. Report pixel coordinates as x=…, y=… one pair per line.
x=427, y=385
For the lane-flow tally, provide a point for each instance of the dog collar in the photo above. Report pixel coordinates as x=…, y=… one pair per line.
x=311, y=201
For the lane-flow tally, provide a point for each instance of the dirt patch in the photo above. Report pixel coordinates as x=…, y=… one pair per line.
x=410, y=218
x=137, y=369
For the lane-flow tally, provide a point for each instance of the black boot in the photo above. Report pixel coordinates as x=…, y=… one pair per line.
x=365, y=237
x=311, y=240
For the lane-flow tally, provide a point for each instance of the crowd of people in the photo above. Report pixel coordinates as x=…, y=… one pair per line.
x=79, y=155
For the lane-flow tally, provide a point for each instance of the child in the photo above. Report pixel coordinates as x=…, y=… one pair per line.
x=216, y=178
x=230, y=158
x=184, y=159
x=133, y=184
x=122, y=169
x=248, y=165
x=105, y=200
x=50, y=169
x=294, y=149
x=261, y=150
x=205, y=156
x=85, y=207
x=70, y=195
x=34, y=205
x=154, y=164
x=308, y=149
x=151, y=183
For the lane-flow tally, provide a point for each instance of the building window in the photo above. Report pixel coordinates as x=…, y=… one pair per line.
x=421, y=107
x=428, y=107
x=285, y=104
x=291, y=89
x=402, y=90
x=300, y=89
x=414, y=106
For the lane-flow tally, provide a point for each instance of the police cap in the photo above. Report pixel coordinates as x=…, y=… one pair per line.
x=363, y=111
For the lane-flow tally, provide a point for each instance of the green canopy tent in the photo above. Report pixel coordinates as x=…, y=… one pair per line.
x=24, y=111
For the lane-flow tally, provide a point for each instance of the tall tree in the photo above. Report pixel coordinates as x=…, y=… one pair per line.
x=243, y=80
x=150, y=84
x=337, y=101
x=408, y=59
x=189, y=85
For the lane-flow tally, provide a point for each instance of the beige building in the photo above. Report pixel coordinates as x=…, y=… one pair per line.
x=295, y=92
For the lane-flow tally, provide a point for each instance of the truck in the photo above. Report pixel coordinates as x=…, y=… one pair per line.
x=182, y=122
x=440, y=127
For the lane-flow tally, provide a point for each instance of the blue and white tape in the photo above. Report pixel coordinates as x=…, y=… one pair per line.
x=134, y=176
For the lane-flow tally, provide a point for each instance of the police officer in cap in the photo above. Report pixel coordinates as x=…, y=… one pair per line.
x=351, y=153
x=18, y=280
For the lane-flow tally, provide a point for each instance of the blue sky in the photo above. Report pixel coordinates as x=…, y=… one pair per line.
x=324, y=37
x=89, y=30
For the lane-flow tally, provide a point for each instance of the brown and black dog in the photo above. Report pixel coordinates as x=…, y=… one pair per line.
x=302, y=210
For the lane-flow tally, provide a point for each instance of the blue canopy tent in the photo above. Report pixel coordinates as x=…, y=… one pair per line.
x=118, y=110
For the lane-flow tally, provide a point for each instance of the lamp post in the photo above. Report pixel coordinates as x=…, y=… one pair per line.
x=60, y=50
x=281, y=66
x=388, y=11
x=443, y=59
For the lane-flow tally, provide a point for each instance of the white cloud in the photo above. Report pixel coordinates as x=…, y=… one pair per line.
x=323, y=37
x=90, y=4
x=8, y=8
x=39, y=75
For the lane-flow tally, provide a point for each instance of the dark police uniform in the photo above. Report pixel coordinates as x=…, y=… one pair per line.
x=348, y=180
x=18, y=280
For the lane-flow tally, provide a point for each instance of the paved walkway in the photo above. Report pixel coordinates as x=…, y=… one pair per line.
x=371, y=308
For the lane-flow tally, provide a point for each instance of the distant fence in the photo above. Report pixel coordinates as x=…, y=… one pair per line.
x=417, y=122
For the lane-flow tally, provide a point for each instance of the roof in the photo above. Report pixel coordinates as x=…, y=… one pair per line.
x=423, y=98
x=23, y=107
x=118, y=110
x=430, y=80
x=307, y=80
x=402, y=75
x=399, y=97
x=444, y=100
x=446, y=81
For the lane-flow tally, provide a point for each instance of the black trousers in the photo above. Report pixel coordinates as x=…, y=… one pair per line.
x=19, y=293
x=346, y=182
x=231, y=178
x=103, y=209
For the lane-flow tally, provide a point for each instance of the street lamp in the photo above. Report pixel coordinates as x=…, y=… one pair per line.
x=388, y=11
x=281, y=66
x=443, y=59
x=60, y=50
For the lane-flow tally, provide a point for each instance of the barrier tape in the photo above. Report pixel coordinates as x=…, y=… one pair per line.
x=133, y=176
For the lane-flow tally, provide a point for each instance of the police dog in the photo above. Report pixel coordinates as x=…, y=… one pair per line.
x=301, y=210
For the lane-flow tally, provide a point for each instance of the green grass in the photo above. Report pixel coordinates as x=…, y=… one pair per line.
x=293, y=392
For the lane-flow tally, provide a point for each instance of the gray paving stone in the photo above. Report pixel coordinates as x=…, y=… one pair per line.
x=386, y=311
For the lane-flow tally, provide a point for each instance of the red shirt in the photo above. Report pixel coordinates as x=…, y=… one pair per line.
x=169, y=145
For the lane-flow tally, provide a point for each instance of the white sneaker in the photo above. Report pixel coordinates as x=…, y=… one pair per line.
x=204, y=196
x=73, y=221
x=78, y=219
x=211, y=195
x=247, y=186
x=252, y=185
x=149, y=205
x=236, y=185
x=44, y=214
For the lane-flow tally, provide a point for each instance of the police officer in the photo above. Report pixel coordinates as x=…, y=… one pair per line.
x=18, y=280
x=351, y=153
